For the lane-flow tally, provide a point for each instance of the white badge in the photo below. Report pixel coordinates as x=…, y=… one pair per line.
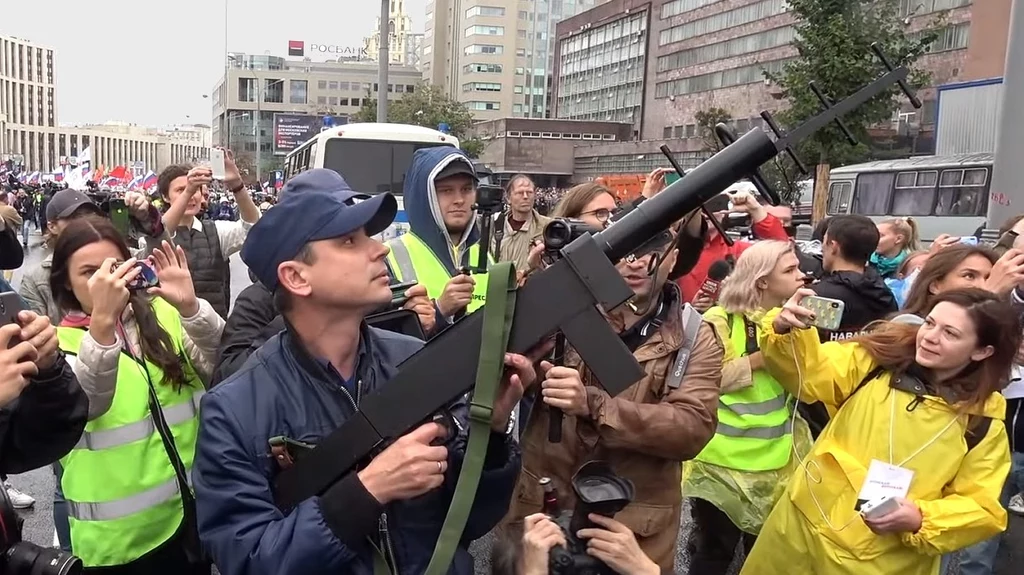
x=885, y=480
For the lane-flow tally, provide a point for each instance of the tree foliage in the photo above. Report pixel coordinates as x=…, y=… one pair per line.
x=833, y=38
x=706, y=122
x=427, y=106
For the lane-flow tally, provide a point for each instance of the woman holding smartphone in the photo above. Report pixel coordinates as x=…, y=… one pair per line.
x=141, y=352
x=918, y=433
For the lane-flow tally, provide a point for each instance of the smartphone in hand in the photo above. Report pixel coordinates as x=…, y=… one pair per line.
x=217, y=164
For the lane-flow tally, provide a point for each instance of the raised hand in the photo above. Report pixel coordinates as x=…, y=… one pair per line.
x=175, y=280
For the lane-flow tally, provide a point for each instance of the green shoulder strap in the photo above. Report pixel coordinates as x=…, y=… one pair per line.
x=498, y=312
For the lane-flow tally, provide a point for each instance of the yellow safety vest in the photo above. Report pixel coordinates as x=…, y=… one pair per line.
x=755, y=430
x=122, y=493
x=411, y=260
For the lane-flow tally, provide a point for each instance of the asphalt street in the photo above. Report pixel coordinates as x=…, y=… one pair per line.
x=39, y=483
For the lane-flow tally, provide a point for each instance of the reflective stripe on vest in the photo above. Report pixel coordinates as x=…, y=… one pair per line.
x=121, y=489
x=412, y=260
x=132, y=432
x=755, y=426
x=110, y=510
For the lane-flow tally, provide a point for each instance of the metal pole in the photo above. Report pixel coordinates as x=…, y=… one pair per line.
x=1008, y=170
x=382, y=62
x=256, y=134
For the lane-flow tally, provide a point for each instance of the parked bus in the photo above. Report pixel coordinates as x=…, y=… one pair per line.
x=944, y=194
x=373, y=158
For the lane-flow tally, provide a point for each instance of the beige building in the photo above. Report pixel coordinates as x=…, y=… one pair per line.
x=28, y=108
x=496, y=56
x=122, y=144
x=403, y=43
x=298, y=93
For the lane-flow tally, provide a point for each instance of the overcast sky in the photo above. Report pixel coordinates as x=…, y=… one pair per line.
x=151, y=62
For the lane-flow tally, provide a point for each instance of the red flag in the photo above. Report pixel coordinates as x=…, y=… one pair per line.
x=120, y=172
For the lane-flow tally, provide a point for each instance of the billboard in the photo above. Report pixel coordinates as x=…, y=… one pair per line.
x=293, y=130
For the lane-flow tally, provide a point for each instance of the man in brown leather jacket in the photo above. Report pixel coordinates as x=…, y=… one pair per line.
x=646, y=431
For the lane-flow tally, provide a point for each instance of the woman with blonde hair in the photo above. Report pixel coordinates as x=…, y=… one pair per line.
x=737, y=478
x=897, y=237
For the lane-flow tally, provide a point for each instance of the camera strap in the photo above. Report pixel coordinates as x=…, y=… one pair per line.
x=497, y=325
x=499, y=235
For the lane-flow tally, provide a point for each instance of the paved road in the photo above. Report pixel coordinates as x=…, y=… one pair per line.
x=39, y=483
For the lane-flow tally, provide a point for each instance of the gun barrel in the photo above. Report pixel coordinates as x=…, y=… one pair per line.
x=736, y=161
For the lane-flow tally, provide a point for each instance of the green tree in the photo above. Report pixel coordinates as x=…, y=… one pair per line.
x=427, y=106
x=706, y=122
x=833, y=40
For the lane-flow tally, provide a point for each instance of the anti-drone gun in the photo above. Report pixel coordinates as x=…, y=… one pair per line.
x=561, y=298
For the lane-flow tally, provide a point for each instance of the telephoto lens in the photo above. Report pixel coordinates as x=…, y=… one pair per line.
x=25, y=558
x=19, y=557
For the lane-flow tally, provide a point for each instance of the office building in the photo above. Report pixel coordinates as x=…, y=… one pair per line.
x=496, y=56
x=28, y=107
x=699, y=54
x=403, y=43
x=272, y=91
x=141, y=148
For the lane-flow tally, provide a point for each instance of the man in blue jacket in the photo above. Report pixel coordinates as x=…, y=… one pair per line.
x=314, y=250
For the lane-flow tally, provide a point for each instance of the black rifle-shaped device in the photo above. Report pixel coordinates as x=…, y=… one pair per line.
x=562, y=297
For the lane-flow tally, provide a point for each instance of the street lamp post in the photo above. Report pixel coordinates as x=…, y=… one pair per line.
x=382, y=62
x=256, y=127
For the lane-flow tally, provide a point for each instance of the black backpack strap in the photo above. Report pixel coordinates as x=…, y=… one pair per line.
x=977, y=429
x=498, y=234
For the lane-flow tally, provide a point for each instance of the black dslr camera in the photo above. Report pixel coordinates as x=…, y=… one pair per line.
x=19, y=557
x=598, y=490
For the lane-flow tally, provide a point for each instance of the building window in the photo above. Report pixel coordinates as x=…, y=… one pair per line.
x=486, y=30
x=676, y=7
x=333, y=100
x=920, y=7
x=321, y=85
x=716, y=80
x=951, y=37
x=410, y=88
x=332, y=86
x=484, y=49
x=355, y=101
x=483, y=68
x=485, y=11
x=483, y=106
x=521, y=52
x=322, y=100
x=247, y=89
x=297, y=92
x=481, y=87
x=722, y=20
x=273, y=91
x=727, y=49
x=343, y=101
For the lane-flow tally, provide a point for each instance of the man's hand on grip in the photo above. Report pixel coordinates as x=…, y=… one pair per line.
x=409, y=467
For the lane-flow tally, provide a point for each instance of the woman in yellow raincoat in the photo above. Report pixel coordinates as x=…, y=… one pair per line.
x=736, y=479
x=918, y=406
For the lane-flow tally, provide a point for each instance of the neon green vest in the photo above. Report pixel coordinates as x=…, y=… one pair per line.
x=123, y=498
x=411, y=260
x=754, y=424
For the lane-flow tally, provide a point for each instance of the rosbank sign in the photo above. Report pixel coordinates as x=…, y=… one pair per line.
x=298, y=48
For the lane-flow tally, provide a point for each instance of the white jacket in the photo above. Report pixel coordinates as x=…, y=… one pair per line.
x=96, y=365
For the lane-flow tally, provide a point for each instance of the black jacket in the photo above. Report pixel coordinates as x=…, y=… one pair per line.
x=866, y=296
x=1015, y=423
x=253, y=320
x=44, y=423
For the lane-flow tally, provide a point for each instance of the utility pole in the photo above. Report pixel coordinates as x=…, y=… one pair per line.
x=1008, y=170
x=383, y=60
x=256, y=132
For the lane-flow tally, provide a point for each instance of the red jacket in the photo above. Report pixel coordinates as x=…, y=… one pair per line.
x=716, y=249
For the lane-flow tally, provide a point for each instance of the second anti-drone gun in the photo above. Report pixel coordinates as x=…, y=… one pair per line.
x=561, y=298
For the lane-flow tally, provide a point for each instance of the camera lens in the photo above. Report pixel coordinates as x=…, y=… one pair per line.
x=557, y=234
x=24, y=558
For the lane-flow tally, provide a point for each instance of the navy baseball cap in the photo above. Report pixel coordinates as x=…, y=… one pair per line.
x=319, y=205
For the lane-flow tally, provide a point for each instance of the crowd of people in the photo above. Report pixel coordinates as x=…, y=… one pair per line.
x=849, y=404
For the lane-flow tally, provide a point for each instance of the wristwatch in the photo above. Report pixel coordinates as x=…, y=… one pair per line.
x=241, y=187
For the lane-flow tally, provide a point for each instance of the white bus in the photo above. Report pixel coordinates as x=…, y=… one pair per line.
x=373, y=158
x=944, y=194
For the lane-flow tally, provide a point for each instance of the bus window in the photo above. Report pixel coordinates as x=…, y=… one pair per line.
x=914, y=194
x=370, y=166
x=839, y=197
x=873, y=191
x=962, y=192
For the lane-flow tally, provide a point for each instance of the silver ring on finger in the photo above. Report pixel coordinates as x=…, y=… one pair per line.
x=440, y=467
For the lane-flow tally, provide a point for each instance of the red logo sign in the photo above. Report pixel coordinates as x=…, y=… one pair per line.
x=296, y=48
